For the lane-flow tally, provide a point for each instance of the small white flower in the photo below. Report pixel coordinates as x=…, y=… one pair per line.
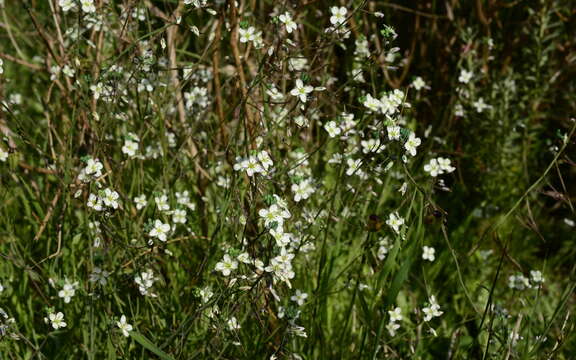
x=162, y=202
x=301, y=91
x=179, y=216
x=418, y=83
x=67, y=292
x=88, y=6
x=67, y=5
x=480, y=105
x=445, y=165
x=412, y=143
x=3, y=155
x=160, y=230
x=536, y=276
x=300, y=297
x=393, y=132
x=338, y=15
x=433, y=168
x=274, y=214
x=395, y=221
x=433, y=310
x=392, y=327
x=428, y=253
x=94, y=202
x=140, y=202
x=465, y=76
x=57, y=320
x=286, y=19
x=354, y=167
x=233, y=324
x=93, y=167
x=372, y=103
x=110, y=198
x=227, y=265
x=124, y=326
x=332, y=128
x=130, y=148
x=247, y=35
x=395, y=315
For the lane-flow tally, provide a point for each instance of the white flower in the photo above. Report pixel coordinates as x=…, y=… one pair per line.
x=371, y=145
x=247, y=35
x=67, y=292
x=130, y=147
x=519, y=282
x=179, y=216
x=124, y=326
x=162, y=202
x=226, y=265
x=354, y=167
x=465, y=76
x=93, y=167
x=110, y=198
x=265, y=160
x=3, y=155
x=274, y=93
x=140, y=202
x=536, y=276
x=233, y=324
x=57, y=320
x=302, y=191
x=412, y=143
x=145, y=281
x=445, y=165
x=433, y=168
x=88, y=6
x=418, y=83
x=393, y=132
x=395, y=315
x=338, y=15
x=301, y=91
x=433, y=310
x=94, y=202
x=160, y=230
x=428, y=253
x=395, y=221
x=67, y=5
x=286, y=19
x=274, y=214
x=332, y=128
x=392, y=327
x=372, y=104
x=480, y=105
x=301, y=121
x=299, y=297
x=282, y=239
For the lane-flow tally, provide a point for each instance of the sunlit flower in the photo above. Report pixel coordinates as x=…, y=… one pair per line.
x=57, y=320
x=412, y=143
x=465, y=76
x=301, y=91
x=124, y=326
x=227, y=265
x=160, y=230
x=338, y=15
x=428, y=253
x=286, y=19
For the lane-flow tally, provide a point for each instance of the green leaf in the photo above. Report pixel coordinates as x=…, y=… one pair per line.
x=142, y=340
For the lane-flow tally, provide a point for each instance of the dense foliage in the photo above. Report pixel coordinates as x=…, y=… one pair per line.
x=193, y=179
